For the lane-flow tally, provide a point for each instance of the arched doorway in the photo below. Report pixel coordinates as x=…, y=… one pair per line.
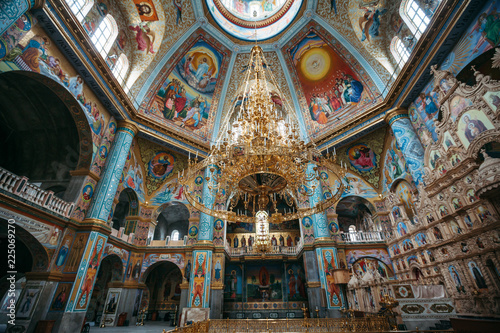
x=173, y=221
x=30, y=256
x=34, y=116
x=163, y=280
x=128, y=205
x=355, y=216
x=110, y=272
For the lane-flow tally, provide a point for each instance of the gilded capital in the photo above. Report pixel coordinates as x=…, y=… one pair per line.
x=128, y=125
x=394, y=114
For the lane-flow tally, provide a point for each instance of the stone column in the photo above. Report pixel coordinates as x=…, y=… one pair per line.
x=407, y=139
x=106, y=188
x=11, y=11
x=319, y=220
x=83, y=286
x=199, y=283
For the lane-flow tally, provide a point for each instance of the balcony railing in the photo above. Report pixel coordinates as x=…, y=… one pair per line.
x=363, y=237
x=20, y=187
x=274, y=250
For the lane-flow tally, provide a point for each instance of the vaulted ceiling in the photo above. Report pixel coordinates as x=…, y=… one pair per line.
x=317, y=50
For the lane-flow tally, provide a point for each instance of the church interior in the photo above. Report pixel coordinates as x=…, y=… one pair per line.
x=250, y=166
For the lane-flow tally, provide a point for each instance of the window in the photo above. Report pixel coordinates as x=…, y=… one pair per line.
x=80, y=7
x=352, y=228
x=105, y=35
x=175, y=235
x=120, y=68
x=415, y=17
x=399, y=51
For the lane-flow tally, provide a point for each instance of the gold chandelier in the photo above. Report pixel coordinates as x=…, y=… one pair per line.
x=259, y=161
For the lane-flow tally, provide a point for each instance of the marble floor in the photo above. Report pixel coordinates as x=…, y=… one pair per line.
x=149, y=327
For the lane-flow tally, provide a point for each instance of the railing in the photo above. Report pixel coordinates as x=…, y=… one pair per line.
x=20, y=187
x=363, y=236
x=377, y=324
x=275, y=250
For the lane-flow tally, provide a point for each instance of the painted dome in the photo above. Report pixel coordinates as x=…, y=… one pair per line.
x=240, y=18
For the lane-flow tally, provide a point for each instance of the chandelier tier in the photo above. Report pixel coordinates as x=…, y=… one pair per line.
x=260, y=163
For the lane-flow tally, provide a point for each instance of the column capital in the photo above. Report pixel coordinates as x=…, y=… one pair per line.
x=395, y=114
x=37, y=4
x=44, y=276
x=127, y=124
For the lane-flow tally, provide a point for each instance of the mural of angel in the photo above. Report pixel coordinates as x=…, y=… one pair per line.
x=369, y=23
x=144, y=37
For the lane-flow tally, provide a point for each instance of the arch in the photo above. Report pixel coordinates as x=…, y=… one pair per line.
x=128, y=205
x=74, y=107
x=39, y=261
x=149, y=269
x=174, y=216
x=105, y=35
x=111, y=270
x=163, y=282
x=364, y=263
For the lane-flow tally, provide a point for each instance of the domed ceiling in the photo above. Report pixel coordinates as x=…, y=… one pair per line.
x=331, y=59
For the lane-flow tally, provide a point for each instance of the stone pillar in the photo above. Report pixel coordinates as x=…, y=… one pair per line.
x=83, y=286
x=184, y=299
x=319, y=220
x=199, y=282
x=313, y=284
x=217, y=286
x=407, y=139
x=11, y=11
x=108, y=184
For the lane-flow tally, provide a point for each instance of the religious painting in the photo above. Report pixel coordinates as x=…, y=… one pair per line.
x=421, y=239
x=471, y=124
x=448, y=141
x=412, y=260
x=455, y=277
x=395, y=249
x=15, y=33
x=28, y=300
x=457, y=203
x=367, y=264
x=112, y=301
x=185, y=97
x=455, y=227
x=407, y=245
x=370, y=13
x=443, y=211
x=76, y=252
x=233, y=283
x=492, y=98
x=404, y=192
x=477, y=275
x=218, y=269
x=146, y=10
x=362, y=157
x=134, y=266
x=457, y=105
x=63, y=252
x=144, y=37
x=327, y=260
x=354, y=185
x=468, y=221
x=396, y=213
x=333, y=226
x=433, y=159
x=264, y=282
x=92, y=266
x=425, y=110
x=483, y=213
x=161, y=165
x=331, y=88
x=471, y=195
x=402, y=229
x=218, y=234
x=394, y=166
x=200, y=279
x=296, y=283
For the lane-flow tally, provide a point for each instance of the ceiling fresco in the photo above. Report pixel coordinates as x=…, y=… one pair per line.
x=332, y=87
x=183, y=96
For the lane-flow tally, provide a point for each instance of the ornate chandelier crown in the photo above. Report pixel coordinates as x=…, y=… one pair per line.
x=260, y=161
